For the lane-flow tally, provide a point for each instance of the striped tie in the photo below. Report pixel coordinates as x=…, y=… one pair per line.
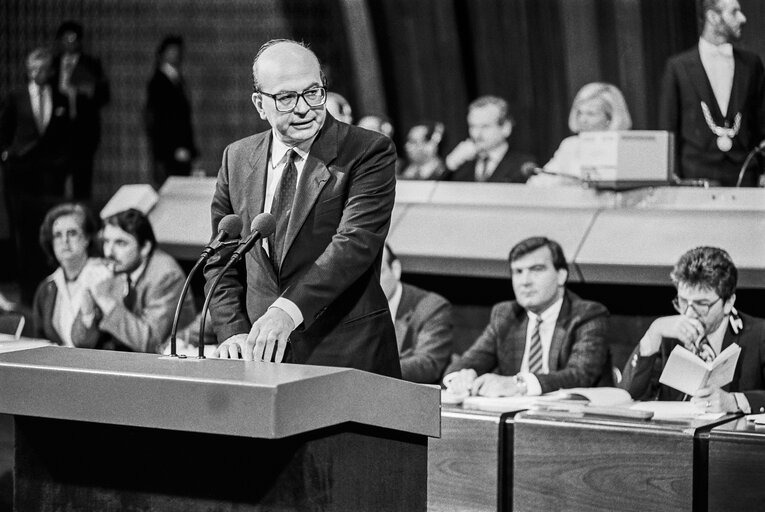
x=535, y=349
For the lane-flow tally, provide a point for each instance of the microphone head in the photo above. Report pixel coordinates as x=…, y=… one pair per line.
x=529, y=169
x=264, y=224
x=231, y=225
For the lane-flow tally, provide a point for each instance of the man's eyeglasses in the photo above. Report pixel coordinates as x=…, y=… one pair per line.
x=701, y=309
x=288, y=100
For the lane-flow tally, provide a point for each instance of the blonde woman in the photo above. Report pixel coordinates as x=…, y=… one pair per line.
x=597, y=106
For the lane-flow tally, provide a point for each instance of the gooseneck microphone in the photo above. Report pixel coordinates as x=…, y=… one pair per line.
x=757, y=149
x=262, y=227
x=230, y=227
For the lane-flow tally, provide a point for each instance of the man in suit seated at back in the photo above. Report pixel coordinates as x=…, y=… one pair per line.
x=423, y=322
x=133, y=296
x=706, y=324
x=546, y=339
x=486, y=154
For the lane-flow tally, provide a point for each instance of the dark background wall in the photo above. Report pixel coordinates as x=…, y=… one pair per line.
x=414, y=59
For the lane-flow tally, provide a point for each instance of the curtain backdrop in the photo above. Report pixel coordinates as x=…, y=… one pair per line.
x=431, y=57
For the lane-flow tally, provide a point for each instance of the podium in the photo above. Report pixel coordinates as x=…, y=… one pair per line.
x=100, y=430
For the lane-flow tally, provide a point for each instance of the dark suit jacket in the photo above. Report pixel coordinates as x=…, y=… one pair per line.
x=578, y=353
x=641, y=374
x=424, y=334
x=685, y=85
x=507, y=171
x=333, y=248
x=36, y=163
x=88, y=73
x=168, y=123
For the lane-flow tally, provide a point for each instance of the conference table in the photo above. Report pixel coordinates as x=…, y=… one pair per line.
x=464, y=465
x=530, y=461
x=737, y=466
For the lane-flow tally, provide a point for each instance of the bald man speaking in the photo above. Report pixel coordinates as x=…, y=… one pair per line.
x=310, y=293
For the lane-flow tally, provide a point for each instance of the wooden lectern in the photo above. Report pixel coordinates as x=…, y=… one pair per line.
x=99, y=430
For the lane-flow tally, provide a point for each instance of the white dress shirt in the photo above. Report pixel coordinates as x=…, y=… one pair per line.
x=546, y=329
x=719, y=66
x=42, y=104
x=495, y=156
x=276, y=165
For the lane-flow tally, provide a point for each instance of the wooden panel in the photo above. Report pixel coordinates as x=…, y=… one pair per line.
x=589, y=464
x=737, y=466
x=463, y=464
x=345, y=468
x=6, y=462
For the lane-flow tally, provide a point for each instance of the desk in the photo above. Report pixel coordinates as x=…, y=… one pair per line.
x=150, y=433
x=467, y=229
x=593, y=464
x=737, y=466
x=463, y=465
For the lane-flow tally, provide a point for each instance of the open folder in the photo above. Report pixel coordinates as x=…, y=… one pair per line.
x=688, y=373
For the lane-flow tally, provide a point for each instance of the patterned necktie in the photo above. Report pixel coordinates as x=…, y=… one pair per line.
x=704, y=350
x=281, y=208
x=482, y=168
x=535, y=349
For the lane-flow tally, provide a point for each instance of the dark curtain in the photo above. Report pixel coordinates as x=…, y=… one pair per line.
x=437, y=56
x=422, y=65
x=669, y=27
x=328, y=40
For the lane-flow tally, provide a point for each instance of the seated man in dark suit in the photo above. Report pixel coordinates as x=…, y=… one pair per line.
x=423, y=322
x=545, y=340
x=486, y=154
x=707, y=323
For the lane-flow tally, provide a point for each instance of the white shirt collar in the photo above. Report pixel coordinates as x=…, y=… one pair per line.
x=170, y=72
x=137, y=273
x=496, y=154
x=713, y=50
x=279, y=149
x=548, y=315
x=395, y=301
x=715, y=338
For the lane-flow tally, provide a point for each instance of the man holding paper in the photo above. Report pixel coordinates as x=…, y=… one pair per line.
x=707, y=325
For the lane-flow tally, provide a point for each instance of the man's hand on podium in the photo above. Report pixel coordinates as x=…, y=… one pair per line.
x=266, y=341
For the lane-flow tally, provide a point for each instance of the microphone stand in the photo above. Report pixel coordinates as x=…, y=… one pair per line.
x=748, y=160
x=178, y=308
x=206, y=305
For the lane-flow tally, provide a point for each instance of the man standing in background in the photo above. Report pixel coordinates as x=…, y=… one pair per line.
x=168, y=114
x=81, y=79
x=35, y=129
x=713, y=99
